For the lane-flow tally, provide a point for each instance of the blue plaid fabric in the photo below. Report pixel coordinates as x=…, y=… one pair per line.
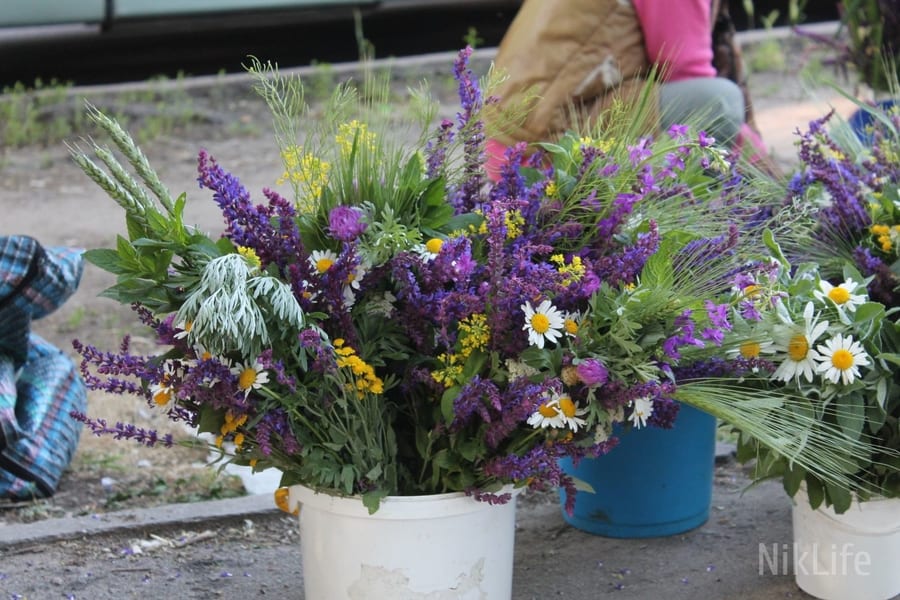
x=39, y=384
x=34, y=281
x=42, y=437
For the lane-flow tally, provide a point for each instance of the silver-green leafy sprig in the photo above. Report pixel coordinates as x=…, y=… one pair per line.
x=238, y=308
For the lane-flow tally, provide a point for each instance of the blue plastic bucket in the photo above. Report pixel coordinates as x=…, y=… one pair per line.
x=654, y=483
x=862, y=119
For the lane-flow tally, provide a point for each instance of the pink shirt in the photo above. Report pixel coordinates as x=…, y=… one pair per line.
x=677, y=35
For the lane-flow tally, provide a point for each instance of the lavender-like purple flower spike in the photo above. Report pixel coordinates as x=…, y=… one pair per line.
x=122, y=431
x=468, y=196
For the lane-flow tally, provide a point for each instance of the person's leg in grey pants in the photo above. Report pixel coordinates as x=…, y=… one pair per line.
x=712, y=104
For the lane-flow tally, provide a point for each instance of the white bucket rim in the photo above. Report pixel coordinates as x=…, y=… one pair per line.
x=877, y=516
x=425, y=506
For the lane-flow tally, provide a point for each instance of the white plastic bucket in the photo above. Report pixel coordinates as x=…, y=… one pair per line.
x=444, y=547
x=854, y=555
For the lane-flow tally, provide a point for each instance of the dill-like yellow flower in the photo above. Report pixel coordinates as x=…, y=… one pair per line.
x=306, y=170
x=452, y=371
x=475, y=333
x=573, y=271
x=514, y=222
x=352, y=133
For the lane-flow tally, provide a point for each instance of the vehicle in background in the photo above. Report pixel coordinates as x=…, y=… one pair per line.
x=109, y=14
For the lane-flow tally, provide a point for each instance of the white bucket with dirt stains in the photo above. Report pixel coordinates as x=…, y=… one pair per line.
x=440, y=547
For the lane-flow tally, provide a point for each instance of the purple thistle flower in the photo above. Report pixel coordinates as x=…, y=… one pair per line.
x=592, y=372
x=345, y=223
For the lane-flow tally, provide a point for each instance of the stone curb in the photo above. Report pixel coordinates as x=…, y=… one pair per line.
x=52, y=530
x=438, y=60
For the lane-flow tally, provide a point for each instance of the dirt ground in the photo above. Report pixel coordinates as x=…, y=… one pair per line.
x=43, y=194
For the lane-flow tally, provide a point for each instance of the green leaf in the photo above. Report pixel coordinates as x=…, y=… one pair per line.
x=210, y=420
x=462, y=222
x=348, y=477
x=851, y=415
x=792, y=479
x=372, y=499
x=774, y=248
x=840, y=498
x=106, y=259
x=815, y=491
x=447, y=399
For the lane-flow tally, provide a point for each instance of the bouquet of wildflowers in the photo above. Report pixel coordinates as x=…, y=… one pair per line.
x=402, y=326
x=850, y=192
x=832, y=328
x=827, y=343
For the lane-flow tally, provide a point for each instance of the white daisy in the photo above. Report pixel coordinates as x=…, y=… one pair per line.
x=571, y=413
x=429, y=250
x=163, y=392
x=185, y=327
x=321, y=260
x=751, y=349
x=543, y=322
x=547, y=415
x=842, y=296
x=797, y=345
x=352, y=285
x=571, y=323
x=641, y=409
x=250, y=376
x=840, y=358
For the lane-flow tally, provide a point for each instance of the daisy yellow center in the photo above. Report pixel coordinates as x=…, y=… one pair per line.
x=162, y=397
x=547, y=411
x=750, y=349
x=842, y=359
x=323, y=264
x=751, y=290
x=571, y=326
x=839, y=295
x=434, y=245
x=798, y=348
x=567, y=406
x=247, y=378
x=540, y=323
x=188, y=326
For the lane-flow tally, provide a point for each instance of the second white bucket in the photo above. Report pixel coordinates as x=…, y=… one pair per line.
x=852, y=555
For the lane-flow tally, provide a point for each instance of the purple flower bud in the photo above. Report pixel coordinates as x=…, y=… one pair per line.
x=592, y=372
x=345, y=223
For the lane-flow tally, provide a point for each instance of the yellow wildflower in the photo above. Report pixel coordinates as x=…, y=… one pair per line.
x=514, y=222
x=355, y=134
x=250, y=255
x=573, y=271
x=474, y=334
x=306, y=170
